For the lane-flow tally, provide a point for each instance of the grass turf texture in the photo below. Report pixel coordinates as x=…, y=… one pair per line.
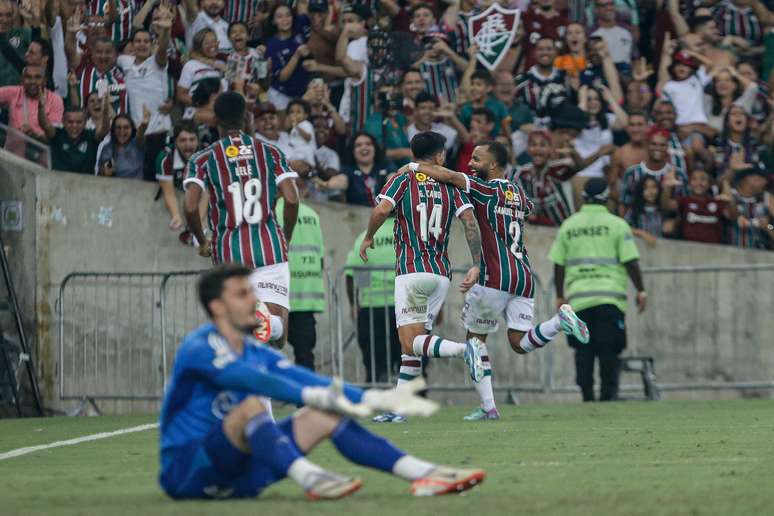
x=621, y=458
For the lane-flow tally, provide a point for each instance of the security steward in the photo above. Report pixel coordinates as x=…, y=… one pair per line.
x=593, y=253
x=374, y=308
x=307, y=288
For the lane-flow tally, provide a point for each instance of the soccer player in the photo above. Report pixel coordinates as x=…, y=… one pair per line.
x=218, y=440
x=423, y=211
x=242, y=176
x=504, y=286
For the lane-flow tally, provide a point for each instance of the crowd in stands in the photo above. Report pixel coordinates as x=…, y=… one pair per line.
x=670, y=100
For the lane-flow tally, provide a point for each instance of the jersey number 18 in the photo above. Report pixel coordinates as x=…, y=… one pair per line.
x=247, y=202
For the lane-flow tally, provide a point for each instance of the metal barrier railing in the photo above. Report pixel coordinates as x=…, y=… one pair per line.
x=118, y=333
x=23, y=146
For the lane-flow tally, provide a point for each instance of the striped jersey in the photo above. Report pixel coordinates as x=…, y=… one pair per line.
x=546, y=190
x=170, y=166
x=650, y=219
x=542, y=93
x=634, y=174
x=739, y=21
x=462, y=33
x=423, y=216
x=241, y=10
x=501, y=208
x=357, y=104
x=121, y=29
x=241, y=175
x=89, y=83
x=677, y=154
x=749, y=208
x=440, y=79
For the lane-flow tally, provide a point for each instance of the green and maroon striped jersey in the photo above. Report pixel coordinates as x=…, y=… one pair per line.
x=240, y=175
x=501, y=208
x=423, y=217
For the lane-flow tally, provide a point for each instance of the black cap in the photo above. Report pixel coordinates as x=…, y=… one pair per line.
x=752, y=170
x=596, y=190
x=363, y=11
x=318, y=6
x=569, y=116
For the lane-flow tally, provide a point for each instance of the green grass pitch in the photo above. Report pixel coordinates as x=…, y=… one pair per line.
x=631, y=458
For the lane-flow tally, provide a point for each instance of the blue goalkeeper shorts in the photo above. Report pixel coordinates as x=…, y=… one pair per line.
x=215, y=468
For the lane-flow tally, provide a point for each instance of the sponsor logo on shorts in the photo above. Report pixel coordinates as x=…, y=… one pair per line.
x=414, y=310
x=486, y=322
x=525, y=317
x=279, y=289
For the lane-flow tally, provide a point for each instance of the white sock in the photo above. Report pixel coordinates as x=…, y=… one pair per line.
x=484, y=387
x=302, y=471
x=411, y=468
x=277, y=328
x=541, y=334
x=432, y=346
x=410, y=368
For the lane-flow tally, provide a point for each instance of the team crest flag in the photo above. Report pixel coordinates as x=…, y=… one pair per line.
x=493, y=31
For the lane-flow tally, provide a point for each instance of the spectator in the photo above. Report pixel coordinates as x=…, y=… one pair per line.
x=209, y=17
x=645, y=216
x=388, y=125
x=302, y=135
x=542, y=20
x=664, y=115
x=438, y=62
x=639, y=96
x=352, y=54
x=656, y=164
x=202, y=65
x=482, y=123
x=704, y=37
x=286, y=49
x=600, y=69
x=573, y=61
x=117, y=15
x=736, y=146
x=267, y=128
x=411, y=85
x=737, y=18
x=170, y=171
x=176, y=48
x=22, y=104
x=424, y=120
x=365, y=174
x=122, y=156
x=604, y=115
x=618, y=37
x=543, y=87
x=147, y=86
x=370, y=295
x=202, y=110
x=323, y=37
x=100, y=74
x=630, y=154
x=753, y=227
x=728, y=87
x=14, y=42
x=326, y=164
x=700, y=215
x=246, y=65
x=73, y=147
x=479, y=85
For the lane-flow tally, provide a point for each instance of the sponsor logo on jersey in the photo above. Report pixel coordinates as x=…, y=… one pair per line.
x=223, y=403
x=421, y=177
x=509, y=195
x=232, y=151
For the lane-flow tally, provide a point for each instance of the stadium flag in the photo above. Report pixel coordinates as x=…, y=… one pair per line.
x=493, y=31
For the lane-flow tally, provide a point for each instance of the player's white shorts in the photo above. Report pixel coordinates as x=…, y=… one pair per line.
x=272, y=284
x=484, y=306
x=419, y=297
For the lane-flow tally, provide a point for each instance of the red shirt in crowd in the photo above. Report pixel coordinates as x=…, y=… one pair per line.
x=537, y=26
x=701, y=219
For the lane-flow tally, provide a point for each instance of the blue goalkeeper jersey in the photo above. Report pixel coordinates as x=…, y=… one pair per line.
x=209, y=379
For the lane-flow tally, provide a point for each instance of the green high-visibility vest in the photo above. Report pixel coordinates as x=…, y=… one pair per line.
x=376, y=288
x=593, y=245
x=305, y=260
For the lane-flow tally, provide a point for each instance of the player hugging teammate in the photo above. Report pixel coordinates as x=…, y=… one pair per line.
x=502, y=285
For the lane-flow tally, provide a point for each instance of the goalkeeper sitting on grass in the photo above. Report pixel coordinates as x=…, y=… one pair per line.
x=218, y=440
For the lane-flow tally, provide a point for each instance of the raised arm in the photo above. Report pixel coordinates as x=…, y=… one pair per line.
x=442, y=174
x=43, y=121
x=354, y=69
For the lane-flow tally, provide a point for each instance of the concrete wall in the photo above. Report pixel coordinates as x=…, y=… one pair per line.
x=80, y=223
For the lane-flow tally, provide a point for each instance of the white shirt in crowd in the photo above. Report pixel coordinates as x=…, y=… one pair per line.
x=589, y=141
x=438, y=127
x=147, y=84
x=746, y=100
x=688, y=97
x=619, y=42
x=282, y=142
x=300, y=148
x=357, y=50
x=203, y=21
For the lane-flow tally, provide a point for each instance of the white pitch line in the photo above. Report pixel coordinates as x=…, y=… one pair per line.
x=93, y=437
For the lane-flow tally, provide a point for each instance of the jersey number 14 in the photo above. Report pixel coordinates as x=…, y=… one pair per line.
x=246, y=202
x=429, y=225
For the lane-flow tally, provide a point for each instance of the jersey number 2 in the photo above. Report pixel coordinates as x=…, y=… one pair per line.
x=247, y=202
x=431, y=225
x=515, y=231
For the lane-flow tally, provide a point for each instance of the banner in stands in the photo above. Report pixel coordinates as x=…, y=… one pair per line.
x=493, y=31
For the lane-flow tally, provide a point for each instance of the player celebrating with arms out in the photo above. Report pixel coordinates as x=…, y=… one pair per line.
x=242, y=177
x=218, y=439
x=424, y=210
x=505, y=285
